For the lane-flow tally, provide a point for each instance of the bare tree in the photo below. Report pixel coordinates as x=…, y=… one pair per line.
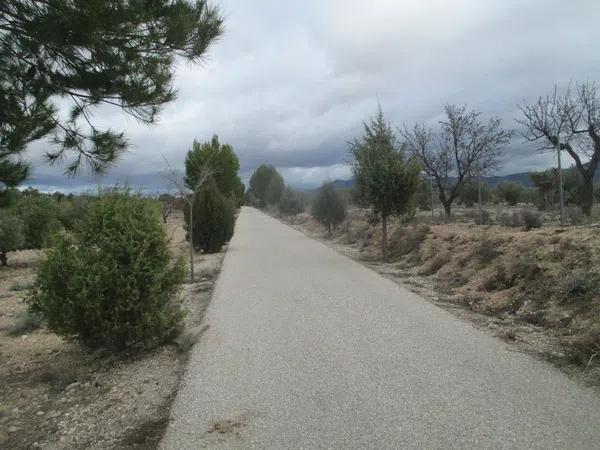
x=576, y=116
x=176, y=179
x=462, y=147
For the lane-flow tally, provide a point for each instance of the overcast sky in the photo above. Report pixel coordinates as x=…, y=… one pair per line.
x=290, y=82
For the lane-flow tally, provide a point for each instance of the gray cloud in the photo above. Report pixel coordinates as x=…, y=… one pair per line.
x=290, y=82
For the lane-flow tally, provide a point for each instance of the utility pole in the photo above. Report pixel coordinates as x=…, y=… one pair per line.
x=560, y=183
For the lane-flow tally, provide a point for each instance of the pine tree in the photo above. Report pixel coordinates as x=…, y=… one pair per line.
x=385, y=179
x=91, y=53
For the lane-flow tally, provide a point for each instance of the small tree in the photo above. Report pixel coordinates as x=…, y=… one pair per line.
x=290, y=203
x=385, y=179
x=221, y=159
x=213, y=219
x=463, y=147
x=510, y=192
x=11, y=235
x=112, y=282
x=328, y=207
x=275, y=189
x=40, y=215
x=261, y=187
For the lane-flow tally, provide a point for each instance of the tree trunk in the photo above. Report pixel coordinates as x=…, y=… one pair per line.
x=329, y=229
x=384, y=230
x=192, y=239
x=447, y=208
x=587, y=195
x=3, y=259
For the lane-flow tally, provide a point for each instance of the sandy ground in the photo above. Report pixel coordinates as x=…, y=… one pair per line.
x=56, y=395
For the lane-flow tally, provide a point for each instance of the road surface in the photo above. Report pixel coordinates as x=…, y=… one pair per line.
x=308, y=349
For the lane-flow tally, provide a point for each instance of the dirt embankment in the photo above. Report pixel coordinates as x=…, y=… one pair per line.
x=56, y=395
x=539, y=289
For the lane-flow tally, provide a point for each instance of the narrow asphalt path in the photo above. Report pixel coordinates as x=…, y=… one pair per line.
x=308, y=349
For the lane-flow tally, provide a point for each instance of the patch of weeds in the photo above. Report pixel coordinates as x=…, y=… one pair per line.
x=20, y=286
x=580, y=284
x=574, y=216
x=486, y=251
x=531, y=219
x=434, y=264
x=484, y=218
x=24, y=323
x=406, y=240
x=59, y=377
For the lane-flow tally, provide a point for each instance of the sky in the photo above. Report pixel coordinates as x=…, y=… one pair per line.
x=291, y=82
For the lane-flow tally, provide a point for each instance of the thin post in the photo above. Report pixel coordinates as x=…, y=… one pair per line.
x=560, y=183
x=479, y=200
x=431, y=189
x=192, y=238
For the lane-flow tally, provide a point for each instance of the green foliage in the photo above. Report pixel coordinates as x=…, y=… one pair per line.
x=222, y=160
x=91, y=52
x=385, y=179
x=214, y=219
x=40, y=215
x=112, y=282
x=510, y=192
x=531, y=219
x=11, y=235
x=328, y=207
x=275, y=189
x=469, y=192
x=290, y=203
x=263, y=188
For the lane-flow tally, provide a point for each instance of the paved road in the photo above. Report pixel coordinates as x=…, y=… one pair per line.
x=308, y=349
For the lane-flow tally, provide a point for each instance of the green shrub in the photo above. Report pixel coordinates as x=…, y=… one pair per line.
x=112, y=282
x=328, y=208
x=486, y=251
x=531, y=219
x=510, y=192
x=407, y=240
x=40, y=216
x=11, y=235
x=290, y=203
x=214, y=219
x=483, y=218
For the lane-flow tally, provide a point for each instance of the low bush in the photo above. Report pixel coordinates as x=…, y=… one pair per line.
x=574, y=216
x=486, y=251
x=405, y=240
x=290, y=203
x=112, y=282
x=483, y=218
x=25, y=322
x=580, y=284
x=531, y=219
x=434, y=264
x=11, y=235
x=214, y=219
